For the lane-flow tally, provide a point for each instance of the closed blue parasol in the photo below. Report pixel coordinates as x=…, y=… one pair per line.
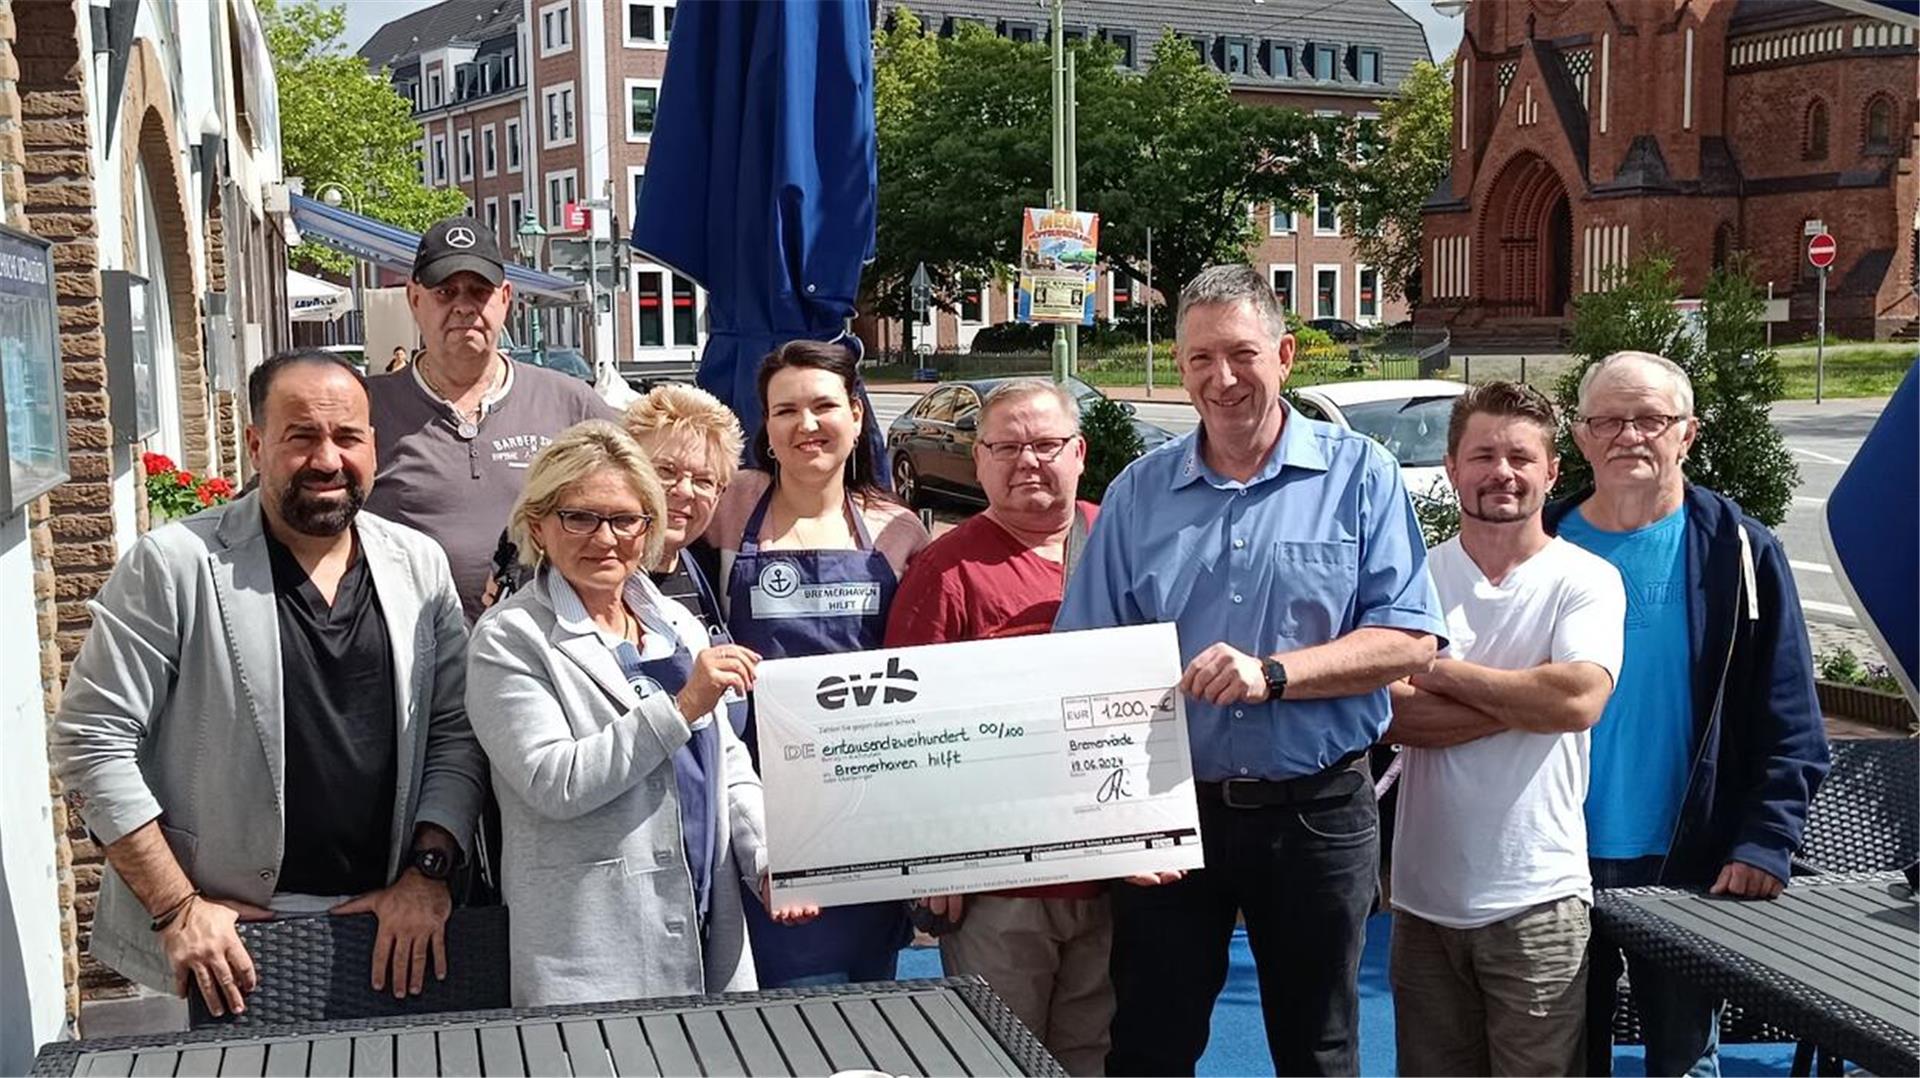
x=761, y=177
x=1873, y=531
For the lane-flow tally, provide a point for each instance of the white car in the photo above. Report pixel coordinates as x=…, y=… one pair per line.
x=1408, y=416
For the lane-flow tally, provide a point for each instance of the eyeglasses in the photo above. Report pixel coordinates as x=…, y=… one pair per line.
x=1609, y=427
x=1044, y=449
x=704, y=485
x=586, y=522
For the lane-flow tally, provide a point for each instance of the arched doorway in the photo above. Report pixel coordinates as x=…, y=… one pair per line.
x=1527, y=230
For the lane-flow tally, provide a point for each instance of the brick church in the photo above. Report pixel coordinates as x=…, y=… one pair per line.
x=1584, y=133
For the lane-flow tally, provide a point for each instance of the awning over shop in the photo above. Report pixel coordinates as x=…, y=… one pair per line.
x=315, y=300
x=386, y=245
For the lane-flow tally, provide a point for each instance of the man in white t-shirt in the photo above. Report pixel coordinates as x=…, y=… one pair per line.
x=1490, y=883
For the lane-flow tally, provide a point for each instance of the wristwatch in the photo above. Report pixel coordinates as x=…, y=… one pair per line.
x=1276, y=675
x=433, y=863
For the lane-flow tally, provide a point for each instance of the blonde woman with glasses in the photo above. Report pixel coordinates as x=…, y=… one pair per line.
x=630, y=812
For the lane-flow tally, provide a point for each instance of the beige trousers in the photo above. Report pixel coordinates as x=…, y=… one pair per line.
x=1505, y=998
x=1046, y=958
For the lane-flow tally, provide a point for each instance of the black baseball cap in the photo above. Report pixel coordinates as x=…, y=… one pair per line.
x=458, y=245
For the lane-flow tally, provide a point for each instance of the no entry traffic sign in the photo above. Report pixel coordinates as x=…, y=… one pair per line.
x=1821, y=250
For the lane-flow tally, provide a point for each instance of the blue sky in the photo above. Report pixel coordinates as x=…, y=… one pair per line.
x=366, y=16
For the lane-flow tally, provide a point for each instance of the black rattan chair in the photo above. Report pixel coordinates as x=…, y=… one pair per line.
x=320, y=968
x=1866, y=815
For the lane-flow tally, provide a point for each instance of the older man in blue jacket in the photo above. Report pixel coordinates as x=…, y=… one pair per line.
x=1710, y=749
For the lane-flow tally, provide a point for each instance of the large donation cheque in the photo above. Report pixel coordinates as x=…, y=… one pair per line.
x=976, y=766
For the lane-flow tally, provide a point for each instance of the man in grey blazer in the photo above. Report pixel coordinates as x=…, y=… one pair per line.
x=268, y=715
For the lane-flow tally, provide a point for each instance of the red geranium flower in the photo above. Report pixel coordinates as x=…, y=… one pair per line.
x=185, y=479
x=156, y=463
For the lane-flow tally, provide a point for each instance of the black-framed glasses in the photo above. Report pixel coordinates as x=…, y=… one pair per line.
x=704, y=485
x=1610, y=426
x=1044, y=449
x=586, y=522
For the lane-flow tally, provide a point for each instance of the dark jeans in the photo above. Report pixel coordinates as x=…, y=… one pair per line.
x=1304, y=877
x=1680, y=1025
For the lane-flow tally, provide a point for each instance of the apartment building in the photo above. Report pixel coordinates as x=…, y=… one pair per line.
x=529, y=105
x=1327, y=59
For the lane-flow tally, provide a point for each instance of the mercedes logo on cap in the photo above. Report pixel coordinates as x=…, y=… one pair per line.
x=460, y=236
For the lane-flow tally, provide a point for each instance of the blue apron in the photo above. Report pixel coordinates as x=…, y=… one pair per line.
x=696, y=767
x=793, y=604
x=709, y=614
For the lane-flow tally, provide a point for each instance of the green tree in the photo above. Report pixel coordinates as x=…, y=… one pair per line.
x=965, y=144
x=1735, y=375
x=344, y=124
x=1398, y=166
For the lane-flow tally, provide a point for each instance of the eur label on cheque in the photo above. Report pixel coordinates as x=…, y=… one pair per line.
x=976, y=766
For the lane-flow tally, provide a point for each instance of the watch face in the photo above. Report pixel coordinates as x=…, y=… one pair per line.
x=433, y=864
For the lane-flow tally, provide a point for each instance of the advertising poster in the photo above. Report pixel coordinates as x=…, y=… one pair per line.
x=1059, y=250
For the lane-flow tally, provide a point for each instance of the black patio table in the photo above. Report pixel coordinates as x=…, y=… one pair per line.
x=1834, y=961
x=954, y=1026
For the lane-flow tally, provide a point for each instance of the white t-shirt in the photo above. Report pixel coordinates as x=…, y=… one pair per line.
x=1488, y=829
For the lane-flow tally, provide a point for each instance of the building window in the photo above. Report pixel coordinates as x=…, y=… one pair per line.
x=1326, y=217
x=1279, y=60
x=466, y=155
x=513, y=145
x=493, y=222
x=1879, y=125
x=1237, y=58
x=1321, y=62
x=1282, y=278
x=1723, y=244
x=666, y=309
x=1122, y=40
x=1326, y=291
x=649, y=23
x=489, y=150
x=435, y=91
x=1813, y=146
x=562, y=188
x=643, y=108
x=556, y=28
x=1199, y=44
x=516, y=212
x=558, y=103
x=1279, y=221
x=1023, y=32
x=1366, y=298
x=636, y=183
x=973, y=302
x=1366, y=66
x=439, y=160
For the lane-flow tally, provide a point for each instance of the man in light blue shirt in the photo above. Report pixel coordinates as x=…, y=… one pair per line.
x=1287, y=553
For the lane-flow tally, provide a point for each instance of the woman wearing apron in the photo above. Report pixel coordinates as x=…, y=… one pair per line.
x=815, y=517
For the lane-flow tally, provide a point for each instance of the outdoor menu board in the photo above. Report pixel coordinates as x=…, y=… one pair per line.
x=35, y=407
x=1059, y=252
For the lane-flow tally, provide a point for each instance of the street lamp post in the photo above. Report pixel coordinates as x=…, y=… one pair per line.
x=333, y=194
x=528, y=240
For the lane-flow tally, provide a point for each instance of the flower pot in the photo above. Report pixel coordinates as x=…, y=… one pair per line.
x=1884, y=709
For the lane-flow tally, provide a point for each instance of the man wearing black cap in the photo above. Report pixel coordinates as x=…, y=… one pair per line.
x=457, y=428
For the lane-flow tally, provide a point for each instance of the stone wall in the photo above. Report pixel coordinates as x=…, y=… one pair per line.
x=74, y=532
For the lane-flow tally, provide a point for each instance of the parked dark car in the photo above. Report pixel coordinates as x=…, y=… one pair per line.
x=564, y=360
x=1341, y=330
x=930, y=447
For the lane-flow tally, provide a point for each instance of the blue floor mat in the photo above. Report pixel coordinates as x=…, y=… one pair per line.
x=1239, y=1041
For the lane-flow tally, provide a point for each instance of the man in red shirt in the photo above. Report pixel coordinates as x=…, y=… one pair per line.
x=1043, y=949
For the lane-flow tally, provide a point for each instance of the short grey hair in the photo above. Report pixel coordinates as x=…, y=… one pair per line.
x=1016, y=389
x=1230, y=284
x=1678, y=383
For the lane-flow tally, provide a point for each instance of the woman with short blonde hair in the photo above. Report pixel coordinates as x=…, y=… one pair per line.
x=631, y=817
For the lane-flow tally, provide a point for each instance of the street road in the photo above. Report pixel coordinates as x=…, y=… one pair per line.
x=1821, y=437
